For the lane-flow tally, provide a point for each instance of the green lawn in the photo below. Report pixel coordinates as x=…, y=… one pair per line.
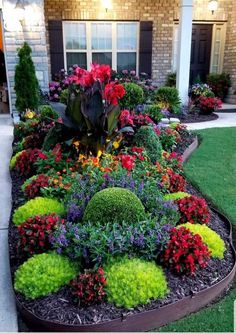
x=212, y=169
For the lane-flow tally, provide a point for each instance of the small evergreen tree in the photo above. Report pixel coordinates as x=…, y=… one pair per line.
x=26, y=82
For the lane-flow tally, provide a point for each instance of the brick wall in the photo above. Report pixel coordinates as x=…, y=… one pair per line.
x=161, y=12
x=32, y=31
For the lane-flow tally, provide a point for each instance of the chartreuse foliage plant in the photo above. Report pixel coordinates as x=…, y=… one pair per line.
x=132, y=282
x=114, y=205
x=175, y=196
x=44, y=274
x=37, y=206
x=213, y=241
x=147, y=138
x=13, y=160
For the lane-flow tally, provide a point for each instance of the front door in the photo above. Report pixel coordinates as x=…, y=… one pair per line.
x=200, y=51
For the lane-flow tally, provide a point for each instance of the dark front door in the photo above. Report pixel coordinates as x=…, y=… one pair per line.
x=200, y=51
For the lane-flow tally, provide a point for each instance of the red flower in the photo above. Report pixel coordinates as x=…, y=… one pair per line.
x=113, y=92
x=126, y=118
x=193, y=210
x=101, y=73
x=128, y=162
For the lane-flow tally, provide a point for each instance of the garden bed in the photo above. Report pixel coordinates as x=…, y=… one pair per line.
x=57, y=312
x=198, y=118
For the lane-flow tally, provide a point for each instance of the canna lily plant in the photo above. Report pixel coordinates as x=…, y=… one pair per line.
x=93, y=110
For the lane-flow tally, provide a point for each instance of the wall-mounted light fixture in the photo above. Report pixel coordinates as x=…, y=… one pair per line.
x=213, y=5
x=20, y=11
x=106, y=4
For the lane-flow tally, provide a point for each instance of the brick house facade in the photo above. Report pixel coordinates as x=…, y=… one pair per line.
x=162, y=14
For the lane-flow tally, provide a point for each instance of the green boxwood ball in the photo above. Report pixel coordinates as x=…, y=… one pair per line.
x=114, y=205
x=133, y=282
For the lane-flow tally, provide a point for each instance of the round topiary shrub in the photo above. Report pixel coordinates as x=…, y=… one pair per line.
x=132, y=282
x=114, y=205
x=133, y=96
x=214, y=242
x=43, y=274
x=147, y=138
x=37, y=206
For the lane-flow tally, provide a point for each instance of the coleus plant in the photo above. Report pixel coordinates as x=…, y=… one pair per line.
x=93, y=110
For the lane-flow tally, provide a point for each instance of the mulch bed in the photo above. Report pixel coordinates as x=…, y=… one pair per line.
x=197, y=118
x=60, y=308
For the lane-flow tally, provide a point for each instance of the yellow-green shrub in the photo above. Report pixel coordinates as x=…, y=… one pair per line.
x=132, y=282
x=176, y=196
x=214, y=242
x=43, y=274
x=37, y=206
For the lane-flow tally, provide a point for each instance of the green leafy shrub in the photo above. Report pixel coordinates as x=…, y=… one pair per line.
x=26, y=82
x=133, y=96
x=171, y=80
x=219, y=84
x=64, y=96
x=114, y=205
x=147, y=138
x=132, y=282
x=154, y=112
x=213, y=241
x=37, y=206
x=13, y=160
x=168, y=98
x=175, y=196
x=46, y=111
x=43, y=274
x=25, y=128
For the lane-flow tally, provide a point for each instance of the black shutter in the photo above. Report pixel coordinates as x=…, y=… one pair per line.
x=145, y=48
x=56, y=46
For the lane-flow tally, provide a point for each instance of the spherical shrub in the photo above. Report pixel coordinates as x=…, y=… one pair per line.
x=132, y=282
x=114, y=205
x=175, y=196
x=35, y=232
x=37, y=206
x=193, y=210
x=147, y=138
x=13, y=159
x=215, y=243
x=185, y=252
x=88, y=288
x=46, y=112
x=43, y=274
x=133, y=96
x=32, y=186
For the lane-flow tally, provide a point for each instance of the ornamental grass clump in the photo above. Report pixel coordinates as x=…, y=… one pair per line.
x=44, y=274
x=215, y=243
x=133, y=282
x=37, y=206
x=147, y=138
x=185, y=253
x=114, y=205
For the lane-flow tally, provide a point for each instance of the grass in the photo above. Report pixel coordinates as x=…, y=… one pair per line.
x=212, y=169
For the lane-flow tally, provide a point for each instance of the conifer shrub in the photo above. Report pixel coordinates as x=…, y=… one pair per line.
x=44, y=274
x=26, y=82
x=147, y=138
x=114, y=205
x=215, y=243
x=37, y=206
x=133, y=282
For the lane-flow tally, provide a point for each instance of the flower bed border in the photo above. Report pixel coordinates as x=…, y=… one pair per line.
x=146, y=320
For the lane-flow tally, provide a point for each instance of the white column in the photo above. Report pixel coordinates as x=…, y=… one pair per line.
x=184, y=49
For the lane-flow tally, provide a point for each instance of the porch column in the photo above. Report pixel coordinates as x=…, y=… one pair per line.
x=184, y=49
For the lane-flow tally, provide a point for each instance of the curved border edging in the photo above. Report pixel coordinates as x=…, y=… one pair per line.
x=188, y=151
x=146, y=320
x=150, y=319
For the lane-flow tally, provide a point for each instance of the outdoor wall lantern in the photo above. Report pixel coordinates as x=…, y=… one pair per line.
x=106, y=4
x=213, y=5
x=20, y=11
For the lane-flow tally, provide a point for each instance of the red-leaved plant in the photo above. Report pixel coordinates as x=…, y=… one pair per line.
x=193, y=210
x=35, y=232
x=177, y=183
x=88, y=288
x=32, y=190
x=25, y=162
x=185, y=252
x=209, y=104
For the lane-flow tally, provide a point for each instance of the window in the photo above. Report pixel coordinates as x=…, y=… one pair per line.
x=112, y=43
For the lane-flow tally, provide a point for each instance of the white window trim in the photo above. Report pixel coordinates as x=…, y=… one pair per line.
x=113, y=50
x=215, y=25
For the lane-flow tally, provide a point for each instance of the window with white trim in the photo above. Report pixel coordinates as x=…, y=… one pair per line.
x=112, y=43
